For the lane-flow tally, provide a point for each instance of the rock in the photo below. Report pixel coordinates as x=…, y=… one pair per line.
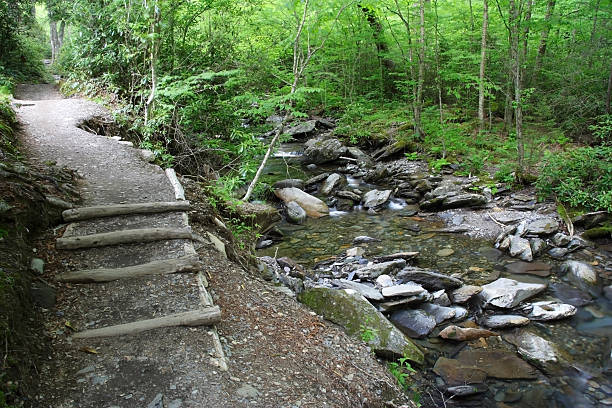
x=508, y=293
x=146, y=155
x=356, y=198
x=363, y=159
x=461, y=391
x=445, y=252
x=312, y=205
x=538, y=246
x=500, y=364
x=560, y=239
x=429, y=279
x=247, y=391
x=375, y=270
x=263, y=215
x=569, y=294
x=582, y=275
x=464, y=200
x=575, y=244
x=316, y=179
x=509, y=217
x=407, y=256
x=264, y=244
x=413, y=323
x=465, y=293
x=531, y=268
x=37, y=265
x=158, y=402
x=558, y=253
x=366, y=291
x=504, y=321
x=295, y=213
x=542, y=226
x=439, y=313
x=217, y=244
x=440, y=298
x=384, y=280
x=462, y=334
x=322, y=150
x=293, y=283
x=534, y=349
x=352, y=311
x=177, y=403
x=406, y=289
x=376, y=198
x=519, y=247
x=461, y=313
x=389, y=151
x=607, y=291
x=43, y=295
x=364, y=239
x=454, y=372
x=548, y=310
x=302, y=129
x=297, y=183
x=357, y=251
x=332, y=182
x=401, y=303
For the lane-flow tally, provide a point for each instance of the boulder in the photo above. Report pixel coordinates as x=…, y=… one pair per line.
x=297, y=183
x=376, y=198
x=323, y=150
x=464, y=200
x=375, y=270
x=316, y=179
x=542, y=226
x=352, y=311
x=508, y=293
x=363, y=159
x=454, y=372
x=519, y=247
x=332, y=182
x=312, y=205
x=504, y=321
x=439, y=313
x=550, y=310
x=295, y=213
x=413, y=323
x=499, y=364
x=538, y=246
x=465, y=293
x=461, y=313
x=349, y=195
x=302, y=129
x=263, y=215
x=440, y=298
x=582, y=275
x=463, y=334
x=560, y=239
x=538, y=351
x=405, y=290
x=366, y=291
x=429, y=279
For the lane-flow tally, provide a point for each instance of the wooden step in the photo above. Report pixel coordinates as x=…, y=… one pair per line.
x=123, y=237
x=100, y=211
x=188, y=263
x=205, y=316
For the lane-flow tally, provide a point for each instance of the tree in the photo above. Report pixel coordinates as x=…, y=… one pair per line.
x=483, y=61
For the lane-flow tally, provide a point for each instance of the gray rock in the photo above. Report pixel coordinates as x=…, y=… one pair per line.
x=363, y=159
x=575, y=244
x=366, y=291
x=582, y=275
x=504, y=321
x=323, y=150
x=293, y=283
x=352, y=311
x=376, y=198
x=297, y=183
x=531, y=268
x=560, y=239
x=534, y=349
x=538, y=246
x=558, y=253
x=316, y=179
x=177, y=403
x=364, y=239
x=264, y=244
x=508, y=293
x=43, y=295
x=37, y=265
x=349, y=195
x=429, y=279
x=332, y=182
x=357, y=251
x=375, y=270
x=406, y=289
x=439, y=313
x=608, y=292
x=440, y=298
x=413, y=323
x=158, y=402
x=519, y=247
x=384, y=280
x=465, y=293
x=542, y=226
x=295, y=213
x=460, y=391
x=464, y=200
x=247, y=391
x=312, y=205
x=461, y=313
x=86, y=370
x=302, y=129
x=549, y=310
x=146, y=155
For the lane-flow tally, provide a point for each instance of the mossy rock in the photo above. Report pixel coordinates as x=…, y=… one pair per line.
x=359, y=317
x=598, y=232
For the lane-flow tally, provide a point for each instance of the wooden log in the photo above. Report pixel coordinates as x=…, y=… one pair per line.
x=100, y=211
x=189, y=263
x=200, y=317
x=123, y=237
x=179, y=193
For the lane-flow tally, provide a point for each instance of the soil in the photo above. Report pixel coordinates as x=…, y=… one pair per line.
x=280, y=354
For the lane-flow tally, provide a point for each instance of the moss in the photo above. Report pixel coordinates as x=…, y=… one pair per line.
x=604, y=231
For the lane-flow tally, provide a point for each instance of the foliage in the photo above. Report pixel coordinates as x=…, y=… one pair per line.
x=401, y=370
x=579, y=178
x=367, y=334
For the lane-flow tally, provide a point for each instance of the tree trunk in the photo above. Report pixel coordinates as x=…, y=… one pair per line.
x=419, y=102
x=526, y=36
x=514, y=23
x=155, y=31
x=386, y=64
x=609, y=90
x=54, y=40
x=60, y=34
x=594, y=29
x=483, y=61
x=439, y=79
x=543, y=41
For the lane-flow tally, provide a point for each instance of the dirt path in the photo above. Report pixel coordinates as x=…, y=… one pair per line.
x=279, y=354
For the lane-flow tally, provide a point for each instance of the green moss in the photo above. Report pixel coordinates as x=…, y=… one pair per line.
x=604, y=231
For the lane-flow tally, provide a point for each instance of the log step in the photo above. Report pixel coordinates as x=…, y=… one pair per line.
x=205, y=316
x=189, y=263
x=100, y=211
x=123, y=237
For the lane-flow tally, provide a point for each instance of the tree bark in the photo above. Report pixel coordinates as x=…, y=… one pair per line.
x=54, y=40
x=609, y=93
x=543, y=41
x=526, y=36
x=155, y=31
x=516, y=71
x=386, y=64
x=419, y=102
x=483, y=61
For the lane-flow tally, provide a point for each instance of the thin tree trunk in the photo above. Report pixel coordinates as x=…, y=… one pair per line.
x=609, y=90
x=483, y=61
x=439, y=79
x=526, y=36
x=516, y=71
x=543, y=41
x=386, y=65
x=419, y=104
x=54, y=40
x=155, y=31
x=594, y=29
x=471, y=17
x=60, y=34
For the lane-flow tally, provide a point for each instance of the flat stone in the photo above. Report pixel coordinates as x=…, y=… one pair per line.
x=349, y=195
x=542, y=226
x=439, y=313
x=405, y=289
x=367, y=291
x=461, y=313
x=464, y=200
x=545, y=311
x=364, y=239
x=499, y=364
x=316, y=179
x=440, y=298
x=570, y=294
x=413, y=323
x=302, y=128
x=453, y=372
x=407, y=256
x=331, y=183
x=390, y=306
x=375, y=270
x=508, y=293
x=509, y=217
x=445, y=252
x=535, y=349
x=504, y=321
x=461, y=391
x=531, y=268
x=357, y=251
x=465, y=293
x=462, y=334
x=429, y=279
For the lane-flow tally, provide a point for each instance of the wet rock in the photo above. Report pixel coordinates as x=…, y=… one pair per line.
x=349, y=195
x=519, y=247
x=302, y=129
x=569, y=294
x=461, y=313
x=439, y=313
x=316, y=179
x=366, y=291
x=465, y=293
x=248, y=391
x=464, y=200
x=375, y=270
x=364, y=239
x=312, y=205
x=43, y=295
x=352, y=311
x=407, y=256
x=582, y=275
x=504, y=321
x=542, y=226
x=406, y=289
x=499, y=364
x=445, y=252
x=322, y=150
x=454, y=373
x=384, y=280
x=560, y=239
x=463, y=334
x=534, y=349
x=558, y=253
x=509, y=217
x=332, y=182
x=429, y=279
x=295, y=213
x=575, y=244
x=363, y=159
x=607, y=291
x=357, y=251
x=461, y=391
x=531, y=268
x=342, y=204
x=264, y=244
x=390, y=306
x=549, y=310
x=440, y=298
x=297, y=183
x=376, y=198
x=538, y=246
x=508, y=293
x=413, y=323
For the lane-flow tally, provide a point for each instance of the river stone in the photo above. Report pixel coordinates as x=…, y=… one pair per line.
x=453, y=372
x=461, y=391
x=429, y=279
x=376, y=198
x=461, y=313
x=392, y=305
x=519, y=247
x=462, y=334
x=332, y=182
x=413, y=323
x=363, y=159
x=375, y=270
x=312, y=205
x=500, y=364
x=542, y=353
x=316, y=179
x=356, y=251
x=349, y=195
x=322, y=150
x=263, y=215
x=607, y=291
x=504, y=321
x=440, y=298
x=542, y=226
x=384, y=280
x=407, y=256
x=352, y=311
x=439, y=313
x=582, y=275
x=302, y=129
x=297, y=183
x=445, y=252
x=37, y=265
x=405, y=289
x=464, y=200
x=550, y=310
x=558, y=253
x=569, y=294
x=508, y=293
x=295, y=213
x=364, y=239
x=465, y=293
x=538, y=246
x=367, y=291
x=560, y=239
x=531, y=268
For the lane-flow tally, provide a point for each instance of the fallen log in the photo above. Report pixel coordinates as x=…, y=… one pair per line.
x=200, y=317
x=123, y=237
x=189, y=263
x=100, y=211
x=179, y=192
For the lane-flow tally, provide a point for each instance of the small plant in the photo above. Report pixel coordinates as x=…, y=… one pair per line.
x=437, y=164
x=413, y=156
x=401, y=370
x=367, y=334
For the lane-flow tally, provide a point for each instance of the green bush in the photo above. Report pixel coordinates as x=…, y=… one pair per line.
x=579, y=178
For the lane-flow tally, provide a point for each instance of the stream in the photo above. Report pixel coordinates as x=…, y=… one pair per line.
x=583, y=340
